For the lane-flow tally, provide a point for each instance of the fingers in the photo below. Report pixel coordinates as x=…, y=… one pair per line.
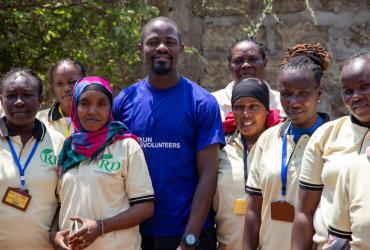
x=78, y=236
x=64, y=233
x=85, y=243
x=79, y=219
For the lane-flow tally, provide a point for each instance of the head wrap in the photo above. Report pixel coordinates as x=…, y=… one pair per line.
x=82, y=144
x=251, y=87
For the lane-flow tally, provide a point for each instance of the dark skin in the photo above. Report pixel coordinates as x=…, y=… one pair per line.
x=252, y=223
x=308, y=201
x=299, y=96
x=91, y=230
x=64, y=79
x=161, y=47
x=207, y=163
x=93, y=111
x=21, y=101
x=246, y=61
x=355, y=78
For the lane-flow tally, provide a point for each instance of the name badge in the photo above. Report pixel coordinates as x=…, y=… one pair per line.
x=282, y=210
x=17, y=198
x=240, y=206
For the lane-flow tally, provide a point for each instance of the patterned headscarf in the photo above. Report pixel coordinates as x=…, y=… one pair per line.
x=82, y=145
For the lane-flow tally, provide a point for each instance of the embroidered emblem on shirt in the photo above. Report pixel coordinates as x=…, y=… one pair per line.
x=105, y=164
x=47, y=156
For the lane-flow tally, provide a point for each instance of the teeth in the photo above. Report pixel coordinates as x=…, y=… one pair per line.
x=248, y=123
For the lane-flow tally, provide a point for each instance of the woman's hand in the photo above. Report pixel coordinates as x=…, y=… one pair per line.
x=86, y=235
x=59, y=240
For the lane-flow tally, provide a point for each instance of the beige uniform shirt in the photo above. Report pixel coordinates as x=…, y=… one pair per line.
x=29, y=230
x=230, y=188
x=351, y=205
x=223, y=97
x=265, y=179
x=103, y=189
x=52, y=118
x=333, y=146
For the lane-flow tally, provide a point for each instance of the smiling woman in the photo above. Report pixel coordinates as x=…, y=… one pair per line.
x=273, y=182
x=27, y=190
x=105, y=184
x=250, y=105
x=334, y=147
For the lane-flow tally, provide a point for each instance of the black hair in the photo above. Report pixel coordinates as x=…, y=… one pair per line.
x=162, y=19
x=23, y=72
x=363, y=54
x=311, y=57
x=66, y=61
x=252, y=39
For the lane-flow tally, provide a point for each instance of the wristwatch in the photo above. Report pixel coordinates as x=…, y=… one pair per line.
x=190, y=240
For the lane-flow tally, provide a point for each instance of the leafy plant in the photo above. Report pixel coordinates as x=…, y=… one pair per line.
x=102, y=35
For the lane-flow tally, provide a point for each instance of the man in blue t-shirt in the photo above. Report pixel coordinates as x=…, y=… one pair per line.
x=179, y=125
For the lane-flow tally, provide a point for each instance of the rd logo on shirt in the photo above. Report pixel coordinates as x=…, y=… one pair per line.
x=105, y=164
x=47, y=156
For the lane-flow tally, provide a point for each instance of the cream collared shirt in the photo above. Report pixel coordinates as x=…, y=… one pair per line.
x=29, y=230
x=333, y=146
x=104, y=188
x=265, y=179
x=230, y=187
x=60, y=124
x=351, y=204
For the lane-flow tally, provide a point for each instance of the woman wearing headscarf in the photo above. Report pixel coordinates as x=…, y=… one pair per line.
x=250, y=106
x=104, y=184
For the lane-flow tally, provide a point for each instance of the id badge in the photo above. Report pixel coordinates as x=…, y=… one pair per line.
x=282, y=210
x=17, y=198
x=240, y=206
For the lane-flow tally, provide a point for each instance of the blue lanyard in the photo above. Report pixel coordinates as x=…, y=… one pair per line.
x=284, y=164
x=15, y=157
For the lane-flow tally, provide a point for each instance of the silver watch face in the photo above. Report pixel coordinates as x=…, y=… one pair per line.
x=190, y=239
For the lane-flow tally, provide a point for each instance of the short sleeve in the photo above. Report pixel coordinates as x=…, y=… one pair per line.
x=253, y=186
x=138, y=183
x=312, y=162
x=209, y=126
x=340, y=224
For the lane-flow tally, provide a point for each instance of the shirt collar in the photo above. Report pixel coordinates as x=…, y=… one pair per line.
x=357, y=122
x=54, y=113
x=287, y=123
x=38, y=132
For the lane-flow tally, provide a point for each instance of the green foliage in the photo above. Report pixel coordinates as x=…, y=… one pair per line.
x=102, y=35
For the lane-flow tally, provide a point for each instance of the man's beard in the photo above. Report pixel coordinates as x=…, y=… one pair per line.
x=161, y=68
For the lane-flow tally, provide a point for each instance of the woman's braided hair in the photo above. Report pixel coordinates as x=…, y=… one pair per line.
x=313, y=57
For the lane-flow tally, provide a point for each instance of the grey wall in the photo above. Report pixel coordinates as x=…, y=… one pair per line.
x=342, y=27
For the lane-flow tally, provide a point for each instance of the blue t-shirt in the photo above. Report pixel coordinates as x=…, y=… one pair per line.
x=173, y=125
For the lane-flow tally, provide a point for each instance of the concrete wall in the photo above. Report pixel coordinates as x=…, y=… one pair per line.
x=341, y=26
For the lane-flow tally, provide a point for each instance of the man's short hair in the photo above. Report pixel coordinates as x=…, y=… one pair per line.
x=162, y=19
